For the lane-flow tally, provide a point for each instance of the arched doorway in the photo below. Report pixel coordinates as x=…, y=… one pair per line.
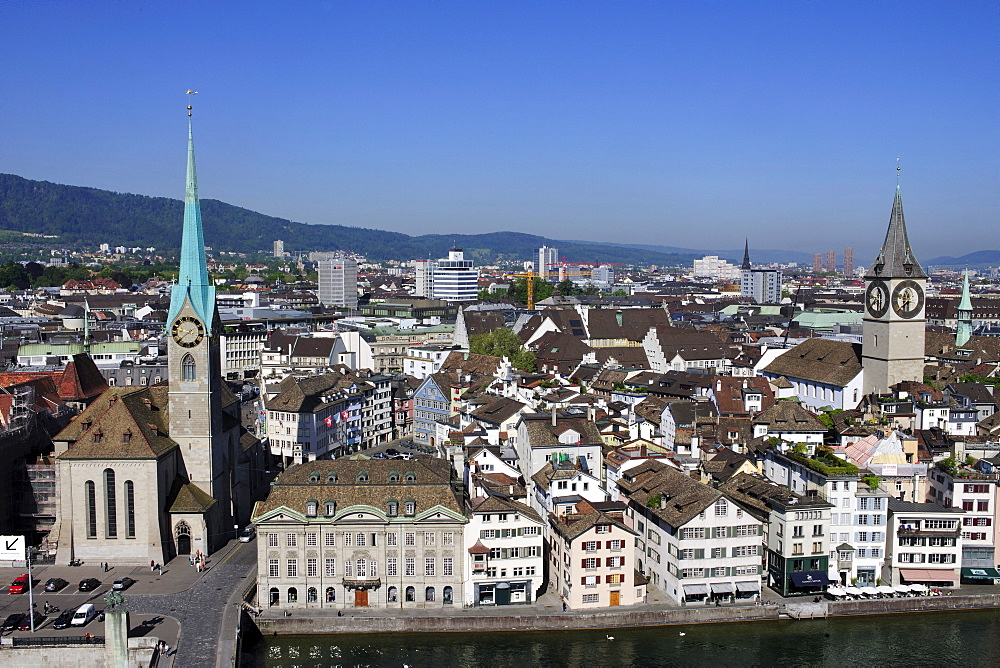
x=273, y=596
x=182, y=534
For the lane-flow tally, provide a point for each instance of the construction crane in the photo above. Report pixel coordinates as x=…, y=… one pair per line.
x=530, y=278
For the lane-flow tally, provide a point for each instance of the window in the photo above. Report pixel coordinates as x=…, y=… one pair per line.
x=91, y=509
x=817, y=547
x=292, y=568
x=983, y=506
x=797, y=531
x=109, y=487
x=591, y=598
x=362, y=568
x=272, y=540
x=616, y=544
x=429, y=538
x=330, y=540
x=188, y=369
x=692, y=572
x=602, y=528
x=411, y=594
x=311, y=540
x=272, y=568
x=390, y=567
x=331, y=595
x=311, y=595
x=390, y=539
x=348, y=540
x=409, y=539
x=590, y=545
x=686, y=553
x=409, y=566
x=590, y=563
x=329, y=508
x=745, y=550
x=348, y=568
x=330, y=568
x=293, y=595
x=746, y=530
x=360, y=542
x=718, y=552
x=410, y=507
x=448, y=538
x=312, y=569
x=692, y=533
x=429, y=566
x=311, y=507
x=721, y=508
x=291, y=540
x=429, y=594
x=393, y=508
x=796, y=548
x=130, y=509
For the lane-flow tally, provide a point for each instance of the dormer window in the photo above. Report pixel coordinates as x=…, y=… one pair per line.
x=127, y=436
x=411, y=477
x=98, y=436
x=331, y=477
x=314, y=477
x=410, y=507
x=393, y=508
x=363, y=476
x=329, y=508
x=311, y=507
x=394, y=476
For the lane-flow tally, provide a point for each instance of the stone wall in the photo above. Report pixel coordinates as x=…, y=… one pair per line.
x=140, y=653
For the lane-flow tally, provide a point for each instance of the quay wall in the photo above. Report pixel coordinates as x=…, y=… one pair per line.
x=301, y=624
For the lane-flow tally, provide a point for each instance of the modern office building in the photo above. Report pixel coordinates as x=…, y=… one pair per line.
x=338, y=282
x=455, y=278
x=548, y=261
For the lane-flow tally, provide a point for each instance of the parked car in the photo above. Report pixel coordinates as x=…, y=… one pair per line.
x=25, y=624
x=12, y=621
x=84, y=614
x=64, y=619
x=248, y=534
x=55, y=584
x=122, y=583
x=391, y=451
x=89, y=584
x=20, y=584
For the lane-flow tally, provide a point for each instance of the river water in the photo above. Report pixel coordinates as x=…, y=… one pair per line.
x=914, y=639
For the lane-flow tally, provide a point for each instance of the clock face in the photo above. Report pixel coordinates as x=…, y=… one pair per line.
x=877, y=298
x=187, y=331
x=907, y=299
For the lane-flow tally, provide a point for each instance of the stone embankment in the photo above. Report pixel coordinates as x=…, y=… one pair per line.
x=303, y=624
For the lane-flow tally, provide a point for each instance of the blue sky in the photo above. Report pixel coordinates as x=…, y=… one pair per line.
x=678, y=123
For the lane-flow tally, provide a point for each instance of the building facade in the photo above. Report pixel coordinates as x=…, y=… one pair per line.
x=338, y=282
x=505, y=553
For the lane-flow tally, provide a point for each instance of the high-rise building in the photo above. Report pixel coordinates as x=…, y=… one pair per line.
x=548, y=259
x=763, y=286
x=338, y=282
x=455, y=278
x=831, y=261
x=817, y=263
x=424, y=285
x=712, y=266
x=848, y=262
x=279, y=248
x=893, y=330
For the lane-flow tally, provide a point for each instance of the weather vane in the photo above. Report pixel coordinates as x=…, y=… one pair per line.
x=898, y=169
x=190, y=92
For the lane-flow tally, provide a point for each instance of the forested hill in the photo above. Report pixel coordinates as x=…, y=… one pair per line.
x=79, y=215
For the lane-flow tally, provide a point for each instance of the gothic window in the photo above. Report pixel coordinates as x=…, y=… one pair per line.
x=109, y=495
x=188, y=368
x=91, y=509
x=130, y=508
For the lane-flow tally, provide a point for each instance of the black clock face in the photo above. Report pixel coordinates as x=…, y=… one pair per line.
x=187, y=331
x=907, y=299
x=877, y=298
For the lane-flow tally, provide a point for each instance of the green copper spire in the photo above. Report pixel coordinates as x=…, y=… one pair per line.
x=964, y=330
x=192, y=282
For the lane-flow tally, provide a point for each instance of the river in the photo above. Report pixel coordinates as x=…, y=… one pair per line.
x=913, y=639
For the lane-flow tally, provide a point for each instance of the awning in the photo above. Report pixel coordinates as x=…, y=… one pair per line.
x=927, y=575
x=748, y=586
x=810, y=579
x=695, y=590
x=723, y=588
x=980, y=573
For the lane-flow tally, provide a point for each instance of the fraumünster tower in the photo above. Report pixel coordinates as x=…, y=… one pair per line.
x=893, y=338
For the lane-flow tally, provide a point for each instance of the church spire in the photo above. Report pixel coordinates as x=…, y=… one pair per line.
x=895, y=259
x=964, y=329
x=192, y=281
x=746, y=254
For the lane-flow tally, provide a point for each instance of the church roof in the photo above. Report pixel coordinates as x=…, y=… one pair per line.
x=123, y=423
x=895, y=259
x=81, y=380
x=189, y=498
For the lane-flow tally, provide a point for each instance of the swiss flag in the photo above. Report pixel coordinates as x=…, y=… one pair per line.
x=328, y=422
x=346, y=415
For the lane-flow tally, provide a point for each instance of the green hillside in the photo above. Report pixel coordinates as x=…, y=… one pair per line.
x=88, y=216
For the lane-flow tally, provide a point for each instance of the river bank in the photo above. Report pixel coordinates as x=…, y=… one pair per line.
x=623, y=618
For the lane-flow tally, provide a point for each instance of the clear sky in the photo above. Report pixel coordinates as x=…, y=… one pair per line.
x=678, y=123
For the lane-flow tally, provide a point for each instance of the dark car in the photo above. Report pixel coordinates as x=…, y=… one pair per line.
x=391, y=451
x=63, y=620
x=55, y=584
x=12, y=621
x=122, y=583
x=89, y=584
x=25, y=624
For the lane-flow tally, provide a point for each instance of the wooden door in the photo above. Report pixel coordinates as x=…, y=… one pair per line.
x=360, y=598
x=616, y=598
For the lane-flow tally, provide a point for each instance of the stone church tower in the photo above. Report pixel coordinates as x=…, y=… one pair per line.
x=893, y=339
x=149, y=473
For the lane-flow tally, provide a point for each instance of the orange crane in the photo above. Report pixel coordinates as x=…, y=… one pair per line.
x=530, y=278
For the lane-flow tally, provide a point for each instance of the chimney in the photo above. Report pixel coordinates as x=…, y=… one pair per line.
x=663, y=502
x=553, y=415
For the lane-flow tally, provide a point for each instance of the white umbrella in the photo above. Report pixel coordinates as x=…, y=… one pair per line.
x=918, y=588
x=834, y=590
x=902, y=589
x=869, y=591
x=852, y=591
x=885, y=590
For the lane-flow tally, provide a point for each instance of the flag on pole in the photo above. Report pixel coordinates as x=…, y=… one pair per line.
x=345, y=415
x=328, y=422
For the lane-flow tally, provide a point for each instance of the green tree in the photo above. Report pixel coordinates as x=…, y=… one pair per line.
x=503, y=343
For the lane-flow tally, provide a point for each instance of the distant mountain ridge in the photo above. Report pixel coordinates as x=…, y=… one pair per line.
x=757, y=255
x=976, y=260
x=78, y=214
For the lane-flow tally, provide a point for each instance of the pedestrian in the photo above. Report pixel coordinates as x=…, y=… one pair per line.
x=191, y=559
x=166, y=649
x=564, y=606
x=151, y=565
x=159, y=569
x=340, y=613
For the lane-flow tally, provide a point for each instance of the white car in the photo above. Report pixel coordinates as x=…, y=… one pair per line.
x=248, y=534
x=84, y=614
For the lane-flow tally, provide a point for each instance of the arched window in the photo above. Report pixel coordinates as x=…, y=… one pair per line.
x=363, y=476
x=429, y=594
x=411, y=476
x=188, y=368
x=312, y=595
x=447, y=596
x=130, y=509
x=109, y=495
x=331, y=595
x=91, y=509
x=331, y=477
x=293, y=595
x=393, y=595
x=411, y=594
x=273, y=596
x=721, y=508
x=394, y=476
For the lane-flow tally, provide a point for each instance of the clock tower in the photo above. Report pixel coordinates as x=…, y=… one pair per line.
x=893, y=339
x=195, y=396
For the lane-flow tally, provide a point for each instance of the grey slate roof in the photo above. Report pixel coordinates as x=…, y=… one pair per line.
x=895, y=255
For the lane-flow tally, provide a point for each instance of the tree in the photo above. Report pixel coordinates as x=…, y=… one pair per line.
x=503, y=343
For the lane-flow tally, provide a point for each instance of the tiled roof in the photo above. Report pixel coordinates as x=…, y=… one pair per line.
x=834, y=363
x=684, y=498
x=189, y=498
x=573, y=526
x=498, y=410
x=789, y=416
x=123, y=423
